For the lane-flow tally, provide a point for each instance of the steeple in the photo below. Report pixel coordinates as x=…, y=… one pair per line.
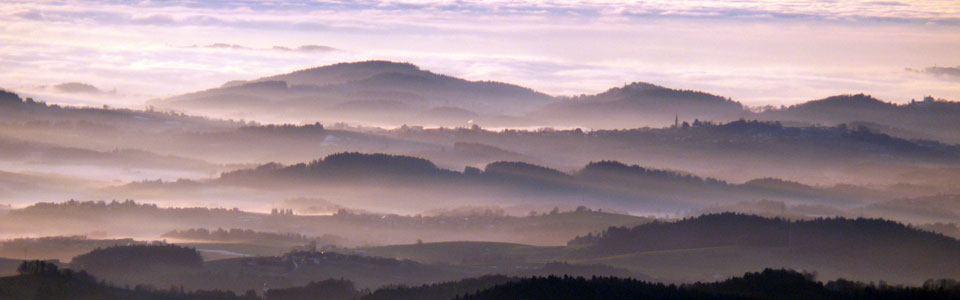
x=676, y=121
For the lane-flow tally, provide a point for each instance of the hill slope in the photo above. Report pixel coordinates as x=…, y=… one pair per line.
x=642, y=104
x=862, y=249
x=930, y=118
x=380, y=92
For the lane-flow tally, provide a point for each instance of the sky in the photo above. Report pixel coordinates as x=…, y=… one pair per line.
x=756, y=52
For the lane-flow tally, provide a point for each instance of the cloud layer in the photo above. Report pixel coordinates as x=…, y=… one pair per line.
x=759, y=52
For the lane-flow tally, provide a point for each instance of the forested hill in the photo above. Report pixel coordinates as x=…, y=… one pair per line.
x=19, y=111
x=606, y=183
x=731, y=229
x=342, y=166
x=40, y=280
x=641, y=104
x=930, y=118
x=137, y=258
x=858, y=247
x=769, y=284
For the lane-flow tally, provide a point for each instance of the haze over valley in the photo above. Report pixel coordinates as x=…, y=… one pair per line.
x=401, y=162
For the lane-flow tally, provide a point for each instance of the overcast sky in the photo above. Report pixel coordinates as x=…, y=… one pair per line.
x=757, y=52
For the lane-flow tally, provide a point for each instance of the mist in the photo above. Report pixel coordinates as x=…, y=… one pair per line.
x=474, y=150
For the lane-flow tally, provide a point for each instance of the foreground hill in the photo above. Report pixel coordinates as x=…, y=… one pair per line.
x=378, y=92
x=47, y=282
x=769, y=284
x=54, y=247
x=171, y=265
x=725, y=244
x=8, y=266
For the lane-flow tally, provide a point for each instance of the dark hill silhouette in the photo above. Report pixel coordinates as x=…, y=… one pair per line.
x=575, y=270
x=330, y=289
x=642, y=104
x=136, y=258
x=861, y=248
x=310, y=93
x=301, y=267
x=736, y=151
x=351, y=165
x=343, y=73
x=155, y=264
x=607, y=184
x=135, y=219
x=856, y=102
x=32, y=112
x=835, y=110
x=56, y=247
x=134, y=132
x=8, y=97
x=39, y=280
x=438, y=291
x=8, y=266
x=484, y=151
x=343, y=166
x=612, y=170
x=371, y=91
x=522, y=169
x=769, y=284
x=928, y=119
x=43, y=280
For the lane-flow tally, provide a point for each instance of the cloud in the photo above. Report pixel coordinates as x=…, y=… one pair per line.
x=313, y=15
x=225, y=46
x=306, y=48
x=154, y=20
x=303, y=48
x=952, y=73
x=754, y=51
x=29, y=15
x=887, y=3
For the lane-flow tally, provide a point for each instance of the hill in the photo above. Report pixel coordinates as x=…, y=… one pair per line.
x=641, y=104
x=608, y=184
x=8, y=266
x=133, y=260
x=368, y=91
x=39, y=280
x=349, y=165
x=343, y=228
x=929, y=118
x=149, y=144
x=50, y=155
x=769, y=284
x=18, y=111
x=864, y=249
x=42, y=280
x=736, y=151
x=56, y=247
x=171, y=265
